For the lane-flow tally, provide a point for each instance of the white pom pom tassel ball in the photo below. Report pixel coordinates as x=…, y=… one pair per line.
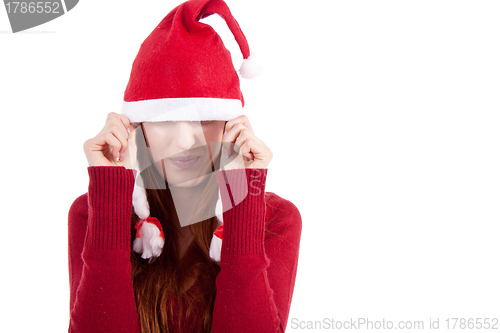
x=253, y=66
x=150, y=243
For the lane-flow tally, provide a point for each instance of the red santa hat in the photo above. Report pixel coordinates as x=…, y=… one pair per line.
x=183, y=72
x=184, y=63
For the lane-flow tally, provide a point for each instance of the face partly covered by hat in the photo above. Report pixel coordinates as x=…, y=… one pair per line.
x=183, y=89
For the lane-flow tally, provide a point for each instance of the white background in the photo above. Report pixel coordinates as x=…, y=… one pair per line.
x=383, y=117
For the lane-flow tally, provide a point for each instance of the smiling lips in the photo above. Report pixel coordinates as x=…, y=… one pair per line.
x=184, y=162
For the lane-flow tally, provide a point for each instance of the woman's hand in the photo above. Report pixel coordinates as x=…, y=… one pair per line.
x=252, y=152
x=110, y=146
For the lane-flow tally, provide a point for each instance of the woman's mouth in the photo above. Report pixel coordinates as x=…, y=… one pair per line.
x=184, y=162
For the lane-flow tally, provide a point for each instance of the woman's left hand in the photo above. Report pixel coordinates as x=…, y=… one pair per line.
x=251, y=152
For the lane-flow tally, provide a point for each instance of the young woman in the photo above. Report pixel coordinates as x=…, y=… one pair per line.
x=177, y=128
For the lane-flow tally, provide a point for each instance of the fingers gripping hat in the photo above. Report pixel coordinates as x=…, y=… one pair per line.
x=183, y=66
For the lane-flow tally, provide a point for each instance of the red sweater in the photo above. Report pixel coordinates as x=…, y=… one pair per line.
x=257, y=276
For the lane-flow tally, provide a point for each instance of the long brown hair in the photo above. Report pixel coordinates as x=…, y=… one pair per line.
x=165, y=301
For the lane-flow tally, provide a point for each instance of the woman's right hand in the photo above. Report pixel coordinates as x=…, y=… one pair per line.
x=111, y=146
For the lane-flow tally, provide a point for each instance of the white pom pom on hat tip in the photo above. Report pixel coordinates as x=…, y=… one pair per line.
x=252, y=66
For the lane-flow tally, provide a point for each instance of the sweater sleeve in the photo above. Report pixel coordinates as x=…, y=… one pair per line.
x=101, y=290
x=258, y=257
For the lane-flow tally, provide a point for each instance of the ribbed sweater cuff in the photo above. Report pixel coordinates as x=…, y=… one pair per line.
x=243, y=201
x=110, y=207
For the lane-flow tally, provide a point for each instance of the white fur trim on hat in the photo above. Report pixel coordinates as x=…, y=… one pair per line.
x=182, y=109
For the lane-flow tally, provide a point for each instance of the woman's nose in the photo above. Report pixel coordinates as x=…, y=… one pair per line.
x=186, y=133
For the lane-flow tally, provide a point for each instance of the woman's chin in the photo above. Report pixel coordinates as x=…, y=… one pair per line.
x=189, y=183
x=185, y=180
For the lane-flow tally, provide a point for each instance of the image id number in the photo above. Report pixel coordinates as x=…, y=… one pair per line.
x=472, y=323
x=32, y=7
